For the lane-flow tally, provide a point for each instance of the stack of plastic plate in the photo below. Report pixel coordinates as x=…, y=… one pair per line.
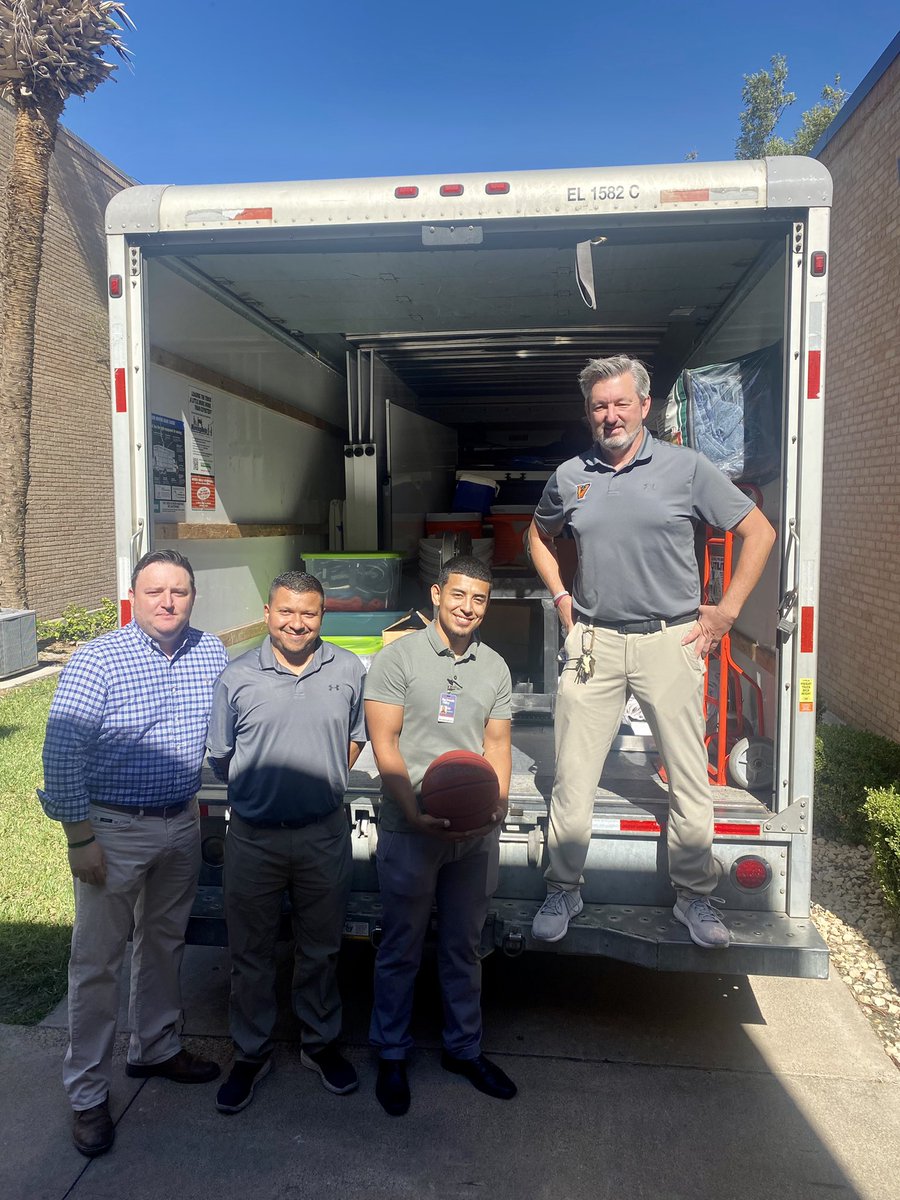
x=430, y=556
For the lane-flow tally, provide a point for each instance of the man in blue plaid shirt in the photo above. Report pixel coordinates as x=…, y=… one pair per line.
x=122, y=756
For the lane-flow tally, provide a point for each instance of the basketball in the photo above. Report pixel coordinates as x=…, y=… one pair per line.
x=463, y=788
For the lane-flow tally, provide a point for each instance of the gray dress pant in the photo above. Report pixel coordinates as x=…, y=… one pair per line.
x=414, y=871
x=152, y=864
x=315, y=865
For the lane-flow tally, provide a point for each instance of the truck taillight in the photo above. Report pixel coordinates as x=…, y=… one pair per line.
x=406, y=193
x=750, y=873
x=452, y=189
x=496, y=188
x=818, y=263
x=115, y=286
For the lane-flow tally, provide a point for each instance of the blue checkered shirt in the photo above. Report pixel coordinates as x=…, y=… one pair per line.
x=127, y=724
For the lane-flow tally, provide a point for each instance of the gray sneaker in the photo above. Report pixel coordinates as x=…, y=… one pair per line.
x=702, y=921
x=552, y=919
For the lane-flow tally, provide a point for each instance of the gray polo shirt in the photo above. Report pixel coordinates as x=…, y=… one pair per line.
x=285, y=736
x=419, y=672
x=634, y=528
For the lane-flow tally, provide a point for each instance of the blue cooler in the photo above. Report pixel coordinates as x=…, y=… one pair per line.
x=474, y=493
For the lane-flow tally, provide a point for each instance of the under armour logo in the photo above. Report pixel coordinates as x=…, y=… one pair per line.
x=334, y=687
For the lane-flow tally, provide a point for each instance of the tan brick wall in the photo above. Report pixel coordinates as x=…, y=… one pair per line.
x=70, y=556
x=859, y=662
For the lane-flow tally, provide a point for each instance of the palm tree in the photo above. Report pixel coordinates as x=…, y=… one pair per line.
x=49, y=50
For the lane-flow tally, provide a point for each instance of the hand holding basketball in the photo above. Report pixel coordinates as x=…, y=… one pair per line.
x=462, y=788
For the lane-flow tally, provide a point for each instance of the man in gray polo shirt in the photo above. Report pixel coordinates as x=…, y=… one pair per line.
x=635, y=622
x=430, y=692
x=286, y=726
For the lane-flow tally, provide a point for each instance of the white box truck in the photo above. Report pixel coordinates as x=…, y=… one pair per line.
x=304, y=366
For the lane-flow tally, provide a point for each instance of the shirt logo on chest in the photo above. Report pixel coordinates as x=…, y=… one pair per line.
x=582, y=490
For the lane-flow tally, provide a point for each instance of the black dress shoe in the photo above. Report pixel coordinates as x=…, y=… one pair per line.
x=482, y=1074
x=182, y=1067
x=391, y=1087
x=92, y=1130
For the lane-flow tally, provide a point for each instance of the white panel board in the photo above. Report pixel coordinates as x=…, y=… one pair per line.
x=422, y=457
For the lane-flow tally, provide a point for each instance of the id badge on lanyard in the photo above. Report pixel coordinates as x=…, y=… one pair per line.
x=447, y=708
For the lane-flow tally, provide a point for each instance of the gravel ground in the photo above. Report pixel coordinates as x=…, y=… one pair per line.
x=862, y=935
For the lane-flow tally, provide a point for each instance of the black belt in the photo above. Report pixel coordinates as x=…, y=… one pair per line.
x=302, y=824
x=653, y=625
x=144, y=810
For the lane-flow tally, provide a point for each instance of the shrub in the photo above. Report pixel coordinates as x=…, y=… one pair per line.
x=882, y=810
x=78, y=625
x=848, y=761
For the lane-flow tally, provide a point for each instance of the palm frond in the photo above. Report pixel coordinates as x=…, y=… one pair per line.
x=57, y=46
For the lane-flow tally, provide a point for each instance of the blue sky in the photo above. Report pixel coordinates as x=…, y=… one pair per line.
x=228, y=91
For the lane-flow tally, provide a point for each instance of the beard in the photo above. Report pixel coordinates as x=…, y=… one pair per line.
x=618, y=441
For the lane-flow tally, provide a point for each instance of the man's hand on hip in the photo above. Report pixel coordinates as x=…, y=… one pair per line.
x=88, y=863
x=708, y=630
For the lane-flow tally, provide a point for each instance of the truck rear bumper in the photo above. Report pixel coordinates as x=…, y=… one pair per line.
x=763, y=943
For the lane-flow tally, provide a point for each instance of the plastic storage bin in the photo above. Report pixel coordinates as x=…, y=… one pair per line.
x=510, y=522
x=357, y=582
x=365, y=648
x=453, y=522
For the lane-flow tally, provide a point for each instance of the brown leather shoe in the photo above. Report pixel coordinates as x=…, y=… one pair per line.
x=92, y=1130
x=182, y=1067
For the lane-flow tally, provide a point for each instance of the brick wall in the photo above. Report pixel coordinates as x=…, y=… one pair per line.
x=859, y=661
x=70, y=557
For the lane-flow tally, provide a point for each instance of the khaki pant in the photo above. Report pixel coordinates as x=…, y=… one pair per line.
x=315, y=866
x=667, y=680
x=152, y=866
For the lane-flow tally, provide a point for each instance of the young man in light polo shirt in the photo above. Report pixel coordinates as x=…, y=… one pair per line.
x=286, y=726
x=437, y=690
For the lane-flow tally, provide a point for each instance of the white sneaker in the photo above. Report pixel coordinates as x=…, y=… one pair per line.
x=702, y=921
x=552, y=919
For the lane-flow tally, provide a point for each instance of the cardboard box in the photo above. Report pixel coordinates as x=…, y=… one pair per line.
x=410, y=622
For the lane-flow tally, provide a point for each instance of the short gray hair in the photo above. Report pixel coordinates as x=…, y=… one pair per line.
x=612, y=368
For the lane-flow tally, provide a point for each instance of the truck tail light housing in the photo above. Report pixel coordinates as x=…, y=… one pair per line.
x=818, y=264
x=408, y=192
x=115, y=286
x=496, y=188
x=452, y=189
x=751, y=873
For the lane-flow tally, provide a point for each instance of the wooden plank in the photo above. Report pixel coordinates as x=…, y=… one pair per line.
x=763, y=656
x=242, y=633
x=224, y=383
x=183, y=530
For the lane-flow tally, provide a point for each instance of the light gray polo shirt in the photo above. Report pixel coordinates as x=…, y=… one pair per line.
x=634, y=528
x=419, y=672
x=285, y=736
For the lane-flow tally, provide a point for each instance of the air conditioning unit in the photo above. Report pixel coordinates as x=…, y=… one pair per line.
x=18, y=641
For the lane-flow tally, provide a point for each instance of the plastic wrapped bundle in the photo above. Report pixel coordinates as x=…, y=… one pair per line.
x=731, y=413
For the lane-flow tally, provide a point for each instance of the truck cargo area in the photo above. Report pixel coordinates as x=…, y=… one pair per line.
x=332, y=372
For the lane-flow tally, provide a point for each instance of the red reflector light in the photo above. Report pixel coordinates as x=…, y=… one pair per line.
x=121, y=398
x=639, y=827
x=406, y=193
x=115, y=286
x=452, y=189
x=496, y=189
x=736, y=830
x=814, y=374
x=819, y=260
x=751, y=873
x=124, y=612
x=807, y=627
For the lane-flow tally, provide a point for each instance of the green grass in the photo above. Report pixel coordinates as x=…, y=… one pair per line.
x=36, y=904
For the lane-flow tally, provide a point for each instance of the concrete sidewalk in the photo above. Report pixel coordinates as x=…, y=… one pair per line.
x=631, y=1085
